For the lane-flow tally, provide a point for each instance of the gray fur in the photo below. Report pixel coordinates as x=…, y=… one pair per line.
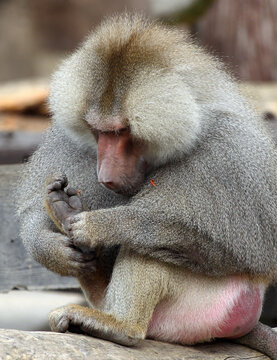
x=261, y=338
x=214, y=207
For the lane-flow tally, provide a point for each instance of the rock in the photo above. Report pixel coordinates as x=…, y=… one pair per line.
x=27, y=345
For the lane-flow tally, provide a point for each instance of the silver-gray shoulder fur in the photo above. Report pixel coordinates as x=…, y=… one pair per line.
x=214, y=206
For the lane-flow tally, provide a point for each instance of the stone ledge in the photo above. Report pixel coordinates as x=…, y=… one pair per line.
x=27, y=345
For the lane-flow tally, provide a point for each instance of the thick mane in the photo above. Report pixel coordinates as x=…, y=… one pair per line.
x=136, y=40
x=126, y=44
x=148, y=73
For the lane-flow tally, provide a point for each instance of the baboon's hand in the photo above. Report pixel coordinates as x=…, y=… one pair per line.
x=82, y=231
x=63, y=257
x=62, y=203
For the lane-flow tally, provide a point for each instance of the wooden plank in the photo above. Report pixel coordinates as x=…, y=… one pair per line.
x=17, y=269
x=16, y=344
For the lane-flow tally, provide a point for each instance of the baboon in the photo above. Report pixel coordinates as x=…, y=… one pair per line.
x=178, y=241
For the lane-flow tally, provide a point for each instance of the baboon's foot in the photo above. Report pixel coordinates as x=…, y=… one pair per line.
x=62, y=203
x=76, y=318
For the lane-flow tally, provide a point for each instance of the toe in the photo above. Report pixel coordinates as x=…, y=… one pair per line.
x=63, y=324
x=74, y=219
x=75, y=203
x=59, y=321
x=71, y=191
x=63, y=181
x=55, y=185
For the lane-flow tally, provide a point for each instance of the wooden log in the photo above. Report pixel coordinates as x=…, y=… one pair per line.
x=17, y=268
x=17, y=146
x=23, y=95
x=27, y=345
x=19, y=122
x=263, y=97
x=20, y=135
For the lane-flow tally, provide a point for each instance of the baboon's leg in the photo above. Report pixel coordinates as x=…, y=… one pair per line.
x=132, y=295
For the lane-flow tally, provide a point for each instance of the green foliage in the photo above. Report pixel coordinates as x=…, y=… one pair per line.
x=190, y=14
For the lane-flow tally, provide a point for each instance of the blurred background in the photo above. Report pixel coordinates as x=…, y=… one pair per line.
x=37, y=34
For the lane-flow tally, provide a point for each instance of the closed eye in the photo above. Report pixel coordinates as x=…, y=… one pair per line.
x=115, y=132
x=121, y=131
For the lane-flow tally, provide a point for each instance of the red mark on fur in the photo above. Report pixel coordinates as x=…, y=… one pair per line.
x=152, y=182
x=79, y=192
